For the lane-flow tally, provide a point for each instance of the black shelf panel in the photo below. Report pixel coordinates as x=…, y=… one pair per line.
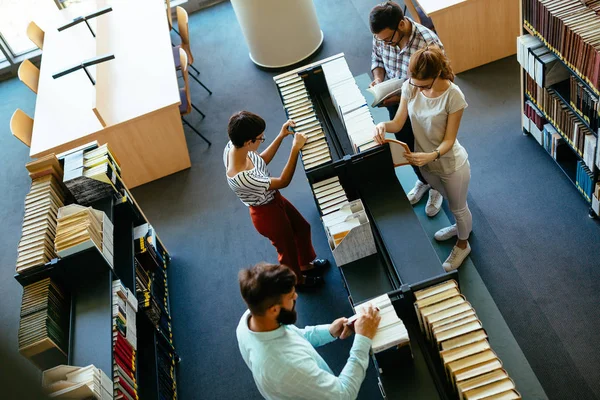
x=147, y=359
x=123, y=246
x=366, y=278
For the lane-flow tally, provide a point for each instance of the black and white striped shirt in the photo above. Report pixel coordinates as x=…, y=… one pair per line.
x=251, y=186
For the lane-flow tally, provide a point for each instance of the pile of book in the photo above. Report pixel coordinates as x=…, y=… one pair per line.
x=77, y=383
x=451, y=325
x=346, y=223
x=151, y=276
x=167, y=386
x=584, y=101
x=570, y=29
x=92, y=174
x=584, y=180
x=124, y=342
x=46, y=165
x=36, y=247
x=44, y=326
x=350, y=104
x=299, y=107
x=391, y=331
x=79, y=228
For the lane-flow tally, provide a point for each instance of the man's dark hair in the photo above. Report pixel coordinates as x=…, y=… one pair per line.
x=385, y=15
x=263, y=285
x=244, y=126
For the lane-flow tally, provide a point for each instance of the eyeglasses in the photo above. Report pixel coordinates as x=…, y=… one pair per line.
x=390, y=40
x=262, y=139
x=426, y=87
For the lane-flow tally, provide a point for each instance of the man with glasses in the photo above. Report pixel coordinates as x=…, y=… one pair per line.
x=395, y=39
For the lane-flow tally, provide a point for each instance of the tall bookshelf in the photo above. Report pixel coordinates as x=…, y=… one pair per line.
x=584, y=75
x=88, y=277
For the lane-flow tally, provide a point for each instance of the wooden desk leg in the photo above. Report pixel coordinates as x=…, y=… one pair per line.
x=478, y=32
x=149, y=147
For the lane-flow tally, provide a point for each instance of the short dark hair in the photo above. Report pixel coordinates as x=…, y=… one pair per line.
x=244, y=126
x=385, y=15
x=263, y=285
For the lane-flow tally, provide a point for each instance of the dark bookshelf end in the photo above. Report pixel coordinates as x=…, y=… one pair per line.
x=123, y=246
x=147, y=358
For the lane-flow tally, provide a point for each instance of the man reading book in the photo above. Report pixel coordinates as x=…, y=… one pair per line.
x=395, y=39
x=282, y=357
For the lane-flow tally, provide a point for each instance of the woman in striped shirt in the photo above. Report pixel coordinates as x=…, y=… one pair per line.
x=273, y=215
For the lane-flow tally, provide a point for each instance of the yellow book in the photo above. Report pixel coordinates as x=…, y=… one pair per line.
x=464, y=340
x=448, y=313
x=432, y=290
x=481, y=380
x=435, y=308
x=467, y=362
x=438, y=330
x=451, y=319
x=452, y=355
x=490, y=389
x=457, y=332
x=476, y=370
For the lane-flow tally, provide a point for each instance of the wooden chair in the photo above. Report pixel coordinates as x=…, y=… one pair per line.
x=184, y=32
x=35, y=34
x=418, y=15
x=29, y=74
x=186, y=105
x=170, y=17
x=21, y=126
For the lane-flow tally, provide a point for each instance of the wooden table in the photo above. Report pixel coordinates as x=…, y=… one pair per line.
x=136, y=96
x=474, y=32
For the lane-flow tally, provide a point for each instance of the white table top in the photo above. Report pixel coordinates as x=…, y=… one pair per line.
x=141, y=79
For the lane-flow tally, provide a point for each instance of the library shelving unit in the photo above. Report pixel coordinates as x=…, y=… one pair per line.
x=569, y=155
x=88, y=277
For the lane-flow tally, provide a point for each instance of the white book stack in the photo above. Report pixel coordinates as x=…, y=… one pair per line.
x=589, y=150
x=299, y=107
x=125, y=306
x=69, y=382
x=391, y=331
x=346, y=223
x=350, y=103
x=79, y=228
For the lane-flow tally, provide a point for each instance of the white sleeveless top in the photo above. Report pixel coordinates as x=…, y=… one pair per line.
x=251, y=186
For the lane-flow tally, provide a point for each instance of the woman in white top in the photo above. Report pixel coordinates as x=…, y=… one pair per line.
x=435, y=107
x=273, y=215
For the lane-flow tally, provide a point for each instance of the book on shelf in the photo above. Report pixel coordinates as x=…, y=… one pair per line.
x=79, y=228
x=36, y=246
x=542, y=65
x=479, y=381
x=391, y=331
x=491, y=389
x=46, y=165
x=124, y=334
x=70, y=382
x=584, y=101
x=44, y=326
x=386, y=89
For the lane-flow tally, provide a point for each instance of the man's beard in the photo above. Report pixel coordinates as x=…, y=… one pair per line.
x=287, y=317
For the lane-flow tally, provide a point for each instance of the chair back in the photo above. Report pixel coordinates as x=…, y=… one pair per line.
x=183, y=59
x=184, y=32
x=169, y=15
x=35, y=34
x=21, y=126
x=413, y=11
x=419, y=15
x=29, y=74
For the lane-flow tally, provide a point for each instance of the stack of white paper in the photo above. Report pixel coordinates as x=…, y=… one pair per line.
x=391, y=331
x=68, y=382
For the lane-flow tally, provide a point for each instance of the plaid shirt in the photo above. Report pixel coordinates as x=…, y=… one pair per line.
x=395, y=60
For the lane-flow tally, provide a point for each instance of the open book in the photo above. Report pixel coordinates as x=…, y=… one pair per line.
x=385, y=90
x=398, y=149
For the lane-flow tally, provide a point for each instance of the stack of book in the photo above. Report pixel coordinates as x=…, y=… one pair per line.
x=299, y=107
x=451, y=325
x=44, y=326
x=151, y=277
x=584, y=180
x=584, y=101
x=46, y=165
x=350, y=104
x=77, y=383
x=542, y=65
x=346, y=223
x=92, y=174
x=124, y=342
x=79, y=228
x=551, y=140
x=167, y=386
x=391, y=331
x=570, y=30
x=45, y=197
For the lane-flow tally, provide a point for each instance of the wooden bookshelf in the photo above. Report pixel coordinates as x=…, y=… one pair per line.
x=567, y=163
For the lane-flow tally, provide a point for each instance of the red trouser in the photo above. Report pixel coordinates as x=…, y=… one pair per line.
x=287, y=229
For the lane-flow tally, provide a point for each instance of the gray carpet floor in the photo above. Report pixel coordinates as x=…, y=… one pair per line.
x=533, y=244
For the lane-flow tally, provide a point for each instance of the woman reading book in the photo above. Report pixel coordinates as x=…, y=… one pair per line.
x=272, y=214
x=435, y=107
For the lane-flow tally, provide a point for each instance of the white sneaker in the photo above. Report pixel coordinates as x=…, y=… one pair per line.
x=417, y=192
x=456, y=257
x=434, y=204
x=446, y=233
